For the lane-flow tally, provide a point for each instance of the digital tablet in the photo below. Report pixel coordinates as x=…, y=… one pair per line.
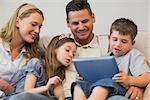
x=93, y=69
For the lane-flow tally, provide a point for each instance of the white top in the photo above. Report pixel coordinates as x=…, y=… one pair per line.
x=133, y=63
x=7, y=67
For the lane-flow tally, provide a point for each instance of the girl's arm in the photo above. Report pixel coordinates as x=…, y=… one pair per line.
x=140, y=81
x=30, y=83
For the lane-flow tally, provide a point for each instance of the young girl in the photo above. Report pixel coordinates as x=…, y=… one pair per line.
x=134, y=70
x=58, y=57
x=19, y=43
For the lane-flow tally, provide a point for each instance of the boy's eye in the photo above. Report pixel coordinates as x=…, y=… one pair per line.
x=114, y=39
x=124, y=41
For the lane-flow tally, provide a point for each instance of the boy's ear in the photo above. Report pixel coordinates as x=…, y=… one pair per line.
x=108, y=36
x=133, y=42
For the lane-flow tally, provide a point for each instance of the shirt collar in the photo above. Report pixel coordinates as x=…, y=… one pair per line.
x=7, y=46
x=92, y=44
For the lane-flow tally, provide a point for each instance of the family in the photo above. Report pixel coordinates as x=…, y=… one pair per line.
x=41, y=68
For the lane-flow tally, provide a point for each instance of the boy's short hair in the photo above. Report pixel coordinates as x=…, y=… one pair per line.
x=124, y=27
x=76, y=5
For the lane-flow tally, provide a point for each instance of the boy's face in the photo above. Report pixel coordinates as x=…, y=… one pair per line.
x=120, y=44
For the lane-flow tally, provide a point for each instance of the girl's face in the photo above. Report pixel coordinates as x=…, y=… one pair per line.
x=65, y=53
x=29, y=27
x=120, y=44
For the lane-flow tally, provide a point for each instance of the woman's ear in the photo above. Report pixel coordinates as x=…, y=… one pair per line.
x=17, y=21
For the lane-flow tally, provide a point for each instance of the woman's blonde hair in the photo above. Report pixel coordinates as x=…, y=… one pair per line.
x=8, y=32
x=52, y=64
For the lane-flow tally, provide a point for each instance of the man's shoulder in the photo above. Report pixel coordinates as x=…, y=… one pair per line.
x=103, y=36
x=45, y=40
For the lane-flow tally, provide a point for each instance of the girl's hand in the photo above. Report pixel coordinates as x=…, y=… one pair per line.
x=78, y=77
x=122, y=78
x=6, y=87
x=53, y=81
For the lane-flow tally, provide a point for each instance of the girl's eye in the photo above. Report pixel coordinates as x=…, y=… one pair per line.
x=67, y=50
x=33, y=25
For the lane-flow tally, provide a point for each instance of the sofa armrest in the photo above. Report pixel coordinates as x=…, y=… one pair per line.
x=147, y=93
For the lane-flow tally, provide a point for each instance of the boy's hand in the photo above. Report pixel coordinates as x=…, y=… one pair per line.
x=122, y=78
x=6, y=87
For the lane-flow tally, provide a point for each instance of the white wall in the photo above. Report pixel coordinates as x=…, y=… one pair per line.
x=106, y=11
x=149, y=16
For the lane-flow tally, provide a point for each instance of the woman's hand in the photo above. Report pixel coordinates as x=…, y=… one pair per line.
x=6, y=87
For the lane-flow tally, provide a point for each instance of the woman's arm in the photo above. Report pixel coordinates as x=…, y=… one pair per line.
x=6, y=87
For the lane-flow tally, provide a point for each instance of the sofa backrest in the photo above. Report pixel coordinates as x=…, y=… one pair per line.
x=142, y=43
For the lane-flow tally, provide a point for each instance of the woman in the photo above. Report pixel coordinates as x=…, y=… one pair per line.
x=19, y=43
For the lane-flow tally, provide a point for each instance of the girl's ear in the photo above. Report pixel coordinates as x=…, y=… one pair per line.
x=56, y=51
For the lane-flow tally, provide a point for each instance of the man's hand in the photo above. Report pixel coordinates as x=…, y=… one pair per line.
x=6, y=87
x=135, y=93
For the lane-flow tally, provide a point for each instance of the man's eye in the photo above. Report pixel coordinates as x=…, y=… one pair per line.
x=85, y=21
x=75, y=23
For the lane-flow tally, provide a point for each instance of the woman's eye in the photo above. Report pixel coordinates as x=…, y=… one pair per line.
x=33, y=25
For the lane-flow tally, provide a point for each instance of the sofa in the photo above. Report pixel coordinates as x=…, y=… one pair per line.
x=142, y=43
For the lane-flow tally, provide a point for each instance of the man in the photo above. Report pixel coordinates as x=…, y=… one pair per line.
x=80, y=20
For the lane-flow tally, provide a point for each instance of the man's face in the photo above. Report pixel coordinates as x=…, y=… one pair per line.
x=81, y=24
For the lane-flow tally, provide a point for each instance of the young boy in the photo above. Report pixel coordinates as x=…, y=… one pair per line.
x=134, y=70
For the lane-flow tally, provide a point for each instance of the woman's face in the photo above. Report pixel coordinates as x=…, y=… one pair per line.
x=29, y=27
x=65, y=53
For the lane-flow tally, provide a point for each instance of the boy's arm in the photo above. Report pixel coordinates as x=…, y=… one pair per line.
x=139, y=81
